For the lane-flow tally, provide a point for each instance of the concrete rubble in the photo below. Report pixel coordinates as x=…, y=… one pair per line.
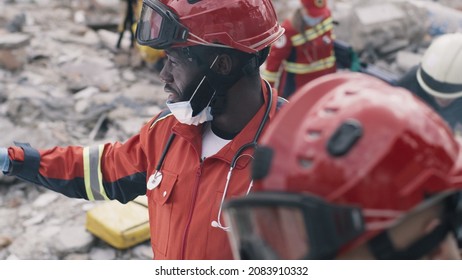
x=389, y=36
x=13, y=50
x=62, y=82
x=392, y=35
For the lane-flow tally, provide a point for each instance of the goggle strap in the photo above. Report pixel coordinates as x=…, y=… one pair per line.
x=382, y=247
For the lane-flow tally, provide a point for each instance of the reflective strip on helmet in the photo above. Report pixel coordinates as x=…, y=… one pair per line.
x=302, y=68
x=199, y=41
x=313, y=33
x=272, y=38
x=236, y=45
x=93, y=177
x=269, y=76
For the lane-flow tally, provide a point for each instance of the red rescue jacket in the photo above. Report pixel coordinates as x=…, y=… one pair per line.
x=297, y=58
x=181, y=208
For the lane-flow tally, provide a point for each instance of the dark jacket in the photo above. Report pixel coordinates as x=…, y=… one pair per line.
x=452, y=113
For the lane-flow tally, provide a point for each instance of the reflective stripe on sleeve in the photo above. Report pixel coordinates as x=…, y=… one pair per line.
x=92, y=173
x=302, y=68
x=269, y=76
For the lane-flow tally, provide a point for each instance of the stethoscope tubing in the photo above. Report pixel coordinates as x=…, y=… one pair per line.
x=241, y=149
x=234, y=160
x=259, y=130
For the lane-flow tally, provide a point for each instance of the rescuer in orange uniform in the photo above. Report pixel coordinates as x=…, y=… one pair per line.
x=188, y=158
x=305, y=51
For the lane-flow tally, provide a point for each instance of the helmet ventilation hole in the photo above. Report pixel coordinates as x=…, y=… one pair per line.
x=330, y=111
x=305, y=162
x=312, y=135
x=350, y=92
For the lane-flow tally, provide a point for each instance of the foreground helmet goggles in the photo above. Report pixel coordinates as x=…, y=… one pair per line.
x=159, y=27
x=275, y=225
x=446, y=205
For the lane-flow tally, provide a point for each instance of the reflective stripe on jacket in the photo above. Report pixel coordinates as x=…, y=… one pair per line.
x=181, y=208
x=298, y=58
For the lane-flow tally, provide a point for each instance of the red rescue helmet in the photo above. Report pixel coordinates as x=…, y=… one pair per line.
x=316, y=8
x=246, y=25
x=348, y=155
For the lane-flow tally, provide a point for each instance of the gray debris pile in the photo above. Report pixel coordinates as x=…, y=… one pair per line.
x=392, y=35
x=63, y=83
x=389, y=36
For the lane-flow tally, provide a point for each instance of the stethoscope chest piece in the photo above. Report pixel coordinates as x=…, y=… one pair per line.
x=154, y=180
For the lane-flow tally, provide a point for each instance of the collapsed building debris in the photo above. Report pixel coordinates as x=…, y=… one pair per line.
x=63, y=82
x=390, y=36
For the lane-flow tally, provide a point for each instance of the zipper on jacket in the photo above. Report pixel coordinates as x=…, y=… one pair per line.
x=191, y=209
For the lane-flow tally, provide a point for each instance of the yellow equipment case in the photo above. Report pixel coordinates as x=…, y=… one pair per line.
x=120, y=225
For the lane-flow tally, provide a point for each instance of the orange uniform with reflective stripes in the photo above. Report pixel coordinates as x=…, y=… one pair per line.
x=297, y=58
x=181, y=208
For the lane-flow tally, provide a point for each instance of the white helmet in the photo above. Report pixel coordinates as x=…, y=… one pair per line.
x=440, y=72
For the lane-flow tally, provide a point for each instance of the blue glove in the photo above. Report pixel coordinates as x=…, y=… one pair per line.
x=4, y=160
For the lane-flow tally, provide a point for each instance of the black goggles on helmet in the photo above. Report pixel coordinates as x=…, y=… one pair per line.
x=159, y=27
x=274, y=225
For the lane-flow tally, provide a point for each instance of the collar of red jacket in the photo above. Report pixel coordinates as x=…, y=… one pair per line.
x=193, y=134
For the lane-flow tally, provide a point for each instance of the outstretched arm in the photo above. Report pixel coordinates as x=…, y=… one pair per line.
x=109, y=171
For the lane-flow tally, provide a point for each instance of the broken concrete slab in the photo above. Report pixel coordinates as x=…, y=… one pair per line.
x=12, y=50
x=10, y=41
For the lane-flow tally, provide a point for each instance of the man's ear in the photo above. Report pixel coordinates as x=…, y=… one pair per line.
x=223, y=65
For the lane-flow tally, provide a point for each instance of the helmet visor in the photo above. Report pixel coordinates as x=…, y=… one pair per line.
x=159, y=27
x=277, y=225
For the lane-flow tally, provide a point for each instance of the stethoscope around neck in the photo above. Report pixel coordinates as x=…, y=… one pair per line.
x=157, y=176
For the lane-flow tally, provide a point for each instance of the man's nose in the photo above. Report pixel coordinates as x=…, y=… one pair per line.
x=165, y=74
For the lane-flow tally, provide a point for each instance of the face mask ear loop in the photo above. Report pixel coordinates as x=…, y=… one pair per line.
x=214, y=61
x=203, y=79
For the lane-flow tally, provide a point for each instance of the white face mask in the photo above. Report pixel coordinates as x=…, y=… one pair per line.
x=183, y=110
x=311, y=21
